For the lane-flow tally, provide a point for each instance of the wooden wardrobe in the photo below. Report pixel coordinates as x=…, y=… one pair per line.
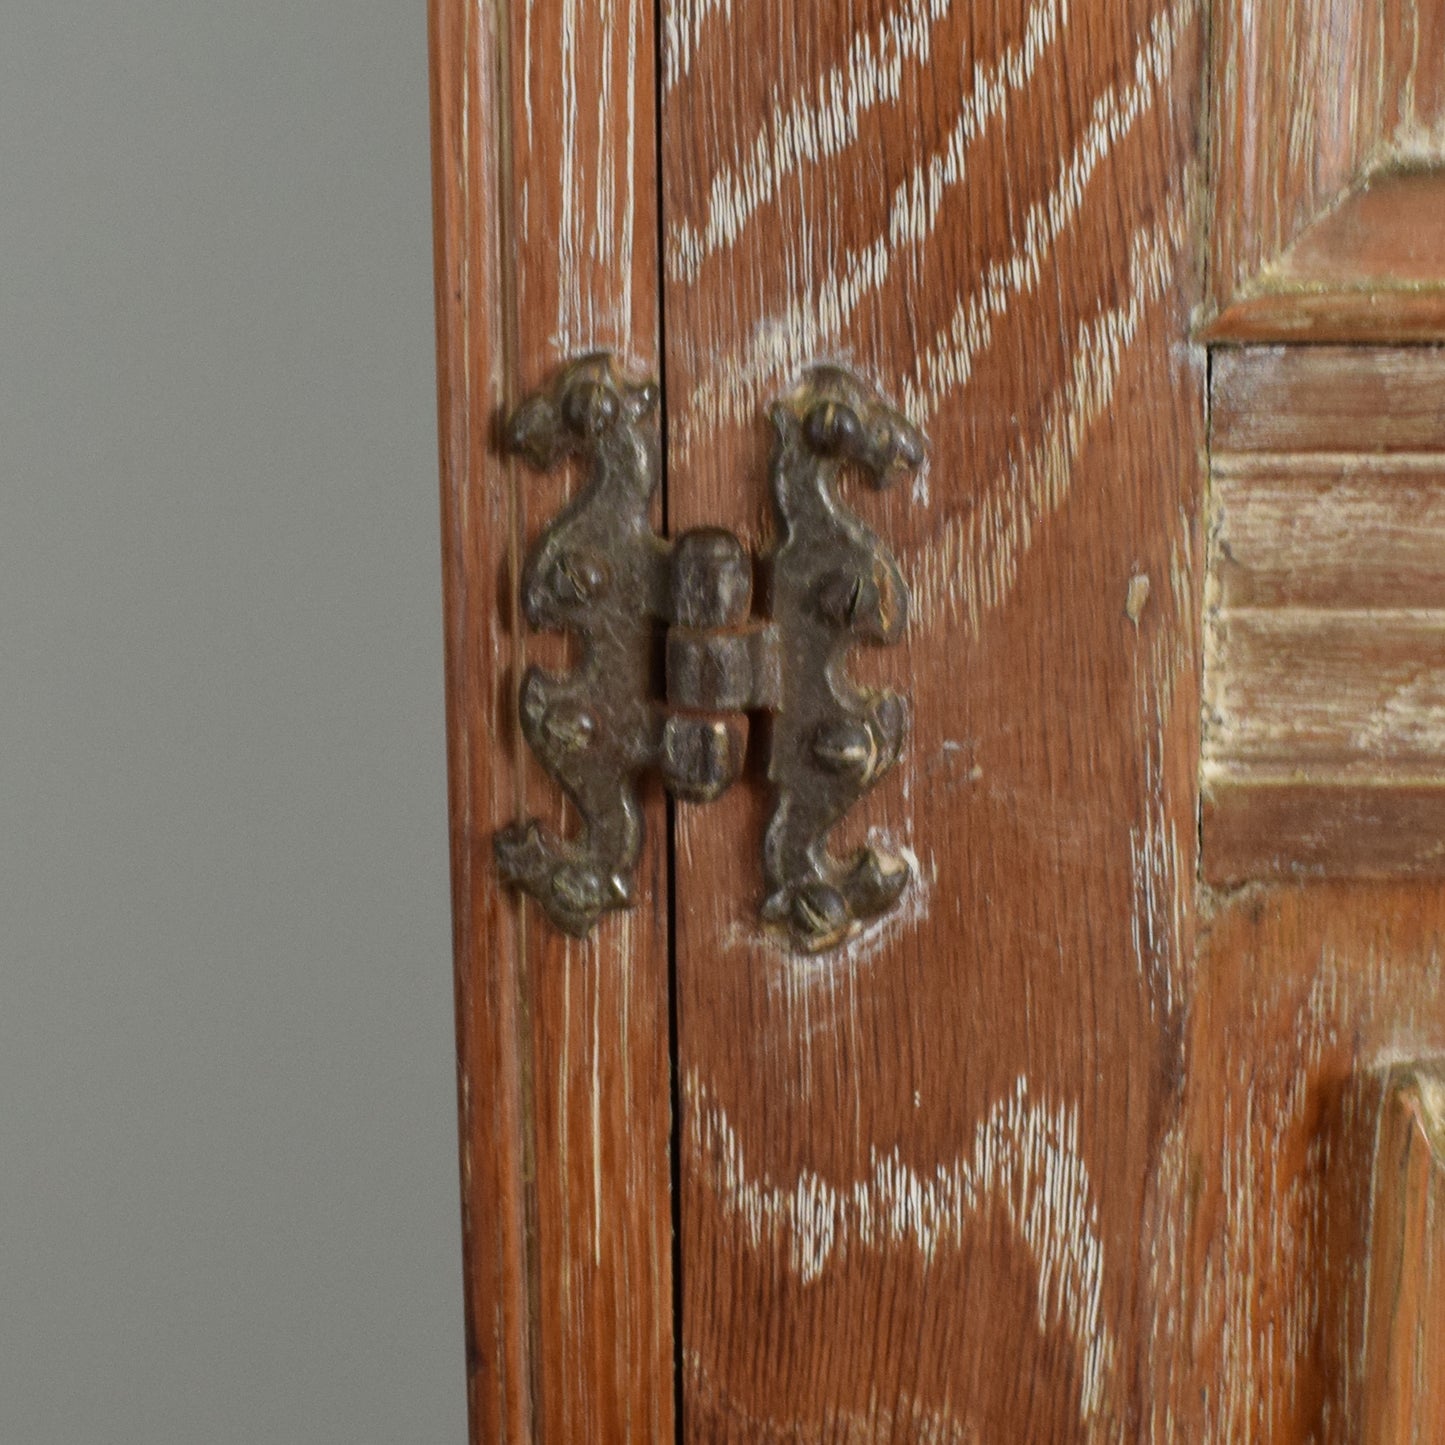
x=1122, y=1123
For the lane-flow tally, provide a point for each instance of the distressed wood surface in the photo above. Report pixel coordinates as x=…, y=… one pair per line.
x=1334, y=693
x=1070, y=1149
x=1323, y=608
x=1310, y=101
x=1344, y=530
x=1263, y=829
x=546, y=193
x=1324, y=657
x=920, y=1182
x=1370, y=269
x=1306, y=998
x=1326, y=399
x=1404, y=1386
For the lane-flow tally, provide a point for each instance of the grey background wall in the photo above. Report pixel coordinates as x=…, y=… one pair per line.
x=228, y=1206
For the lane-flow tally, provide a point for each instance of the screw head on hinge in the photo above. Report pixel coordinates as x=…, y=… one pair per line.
x=569, y=729
x=846, y=747
x=579, y=577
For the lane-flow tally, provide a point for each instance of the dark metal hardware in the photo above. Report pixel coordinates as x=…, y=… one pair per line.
x=600, y=572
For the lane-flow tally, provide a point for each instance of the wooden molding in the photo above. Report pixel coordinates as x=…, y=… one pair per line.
x=1404, y=1398
x=1324, y=677
x=1370, y=269
x=1326, y=190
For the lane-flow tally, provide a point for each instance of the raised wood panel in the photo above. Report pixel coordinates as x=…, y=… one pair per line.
x=1404, y=1387
x=921, y=1178
x=1306, y=998
x=1334, y=531
x=1370, y=269
x=1385, y=234
x=1312, y=101
x=546, y=193
x=1273, y=828
x=1331, y=693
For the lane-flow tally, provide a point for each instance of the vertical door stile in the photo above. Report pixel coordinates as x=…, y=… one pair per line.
x=930, y=1183
x=546, y=194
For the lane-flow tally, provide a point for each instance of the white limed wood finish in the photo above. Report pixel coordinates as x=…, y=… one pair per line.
x=1324, y=663
x=546, y=197
x=1404, y=1384
x=1079, y=1146
x=925, y=1193
x=1313, y=105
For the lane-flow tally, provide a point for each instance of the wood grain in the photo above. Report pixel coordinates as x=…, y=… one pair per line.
x=1326, y=399
x=1342, y=530
x=1311, y=99
x=1404, y=1391
x=1324, y=656
x=1036, y=1159
x=1339, y=693
x=545, y=185
x=1306, y=999
x=1369, y=270
x=1273, y=828
x=919, y=1176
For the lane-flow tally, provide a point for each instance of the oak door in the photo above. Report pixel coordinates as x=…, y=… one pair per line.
x=1122, y=1125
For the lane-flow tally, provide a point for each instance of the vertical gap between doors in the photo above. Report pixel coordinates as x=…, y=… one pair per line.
x=659, y=22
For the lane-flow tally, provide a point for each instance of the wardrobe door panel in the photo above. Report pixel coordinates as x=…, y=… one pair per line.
x=930, y=1180
x=546, y=197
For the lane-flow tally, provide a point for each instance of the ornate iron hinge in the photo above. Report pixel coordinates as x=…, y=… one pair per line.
x=600, y=572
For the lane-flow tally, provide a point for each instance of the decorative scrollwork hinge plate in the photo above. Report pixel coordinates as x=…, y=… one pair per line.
x=600, y=572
